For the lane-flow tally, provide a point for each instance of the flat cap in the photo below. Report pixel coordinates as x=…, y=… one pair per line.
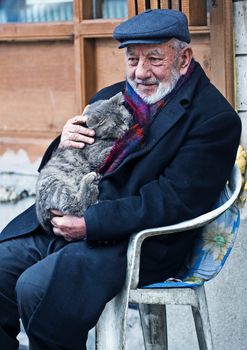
x=153, y=27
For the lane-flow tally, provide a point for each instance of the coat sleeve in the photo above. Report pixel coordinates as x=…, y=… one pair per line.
x=188, y=187
x=47, y=155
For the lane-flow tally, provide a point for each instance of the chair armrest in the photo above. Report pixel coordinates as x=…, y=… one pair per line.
x=136, y=240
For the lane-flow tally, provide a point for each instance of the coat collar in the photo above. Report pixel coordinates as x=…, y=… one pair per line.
x=175, y=108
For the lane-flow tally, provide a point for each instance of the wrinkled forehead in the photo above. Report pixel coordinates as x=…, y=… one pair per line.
x=148, y=49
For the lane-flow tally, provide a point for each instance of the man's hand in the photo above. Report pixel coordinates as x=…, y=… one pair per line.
x=71, y=228
x=76, y=135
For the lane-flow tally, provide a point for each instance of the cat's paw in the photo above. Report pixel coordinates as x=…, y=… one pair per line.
x=89, y=189
x=91, y=177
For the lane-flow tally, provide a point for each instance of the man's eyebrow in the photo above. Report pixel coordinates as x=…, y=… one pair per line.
x=130, y=50
x=155, y=52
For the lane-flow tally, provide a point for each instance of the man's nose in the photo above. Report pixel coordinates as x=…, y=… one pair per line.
x=143, y=70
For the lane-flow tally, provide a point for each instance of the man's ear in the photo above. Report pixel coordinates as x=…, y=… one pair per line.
x=185, y=59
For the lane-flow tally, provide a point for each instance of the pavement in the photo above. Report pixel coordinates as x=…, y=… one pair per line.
x=134, y=335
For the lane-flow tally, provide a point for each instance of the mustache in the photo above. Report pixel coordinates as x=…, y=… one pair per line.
x=146, y=81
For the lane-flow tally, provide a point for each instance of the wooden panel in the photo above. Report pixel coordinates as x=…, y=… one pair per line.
x=222, y=49
x=37, y=31
x=202, y=50
x=87, y=8
x=196, y=12
x=36, y=87
x=154, y=4
x=78, y=56
x=79, y=73
x=98, y=9
x=176, y=5
x=90, y=68
x=109, y=63
x=132, y=8
x=164, y=4
x=98, y=28
x=141, y=6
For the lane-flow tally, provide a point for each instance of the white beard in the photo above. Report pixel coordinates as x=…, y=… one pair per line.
x=163, y=88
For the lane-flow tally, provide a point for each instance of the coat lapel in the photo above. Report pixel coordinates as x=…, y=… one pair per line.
x=164, y=121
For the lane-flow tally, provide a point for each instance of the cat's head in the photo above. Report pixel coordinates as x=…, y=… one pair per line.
x=109, y=118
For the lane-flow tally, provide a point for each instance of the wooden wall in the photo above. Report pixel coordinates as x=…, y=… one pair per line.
x=49, y=71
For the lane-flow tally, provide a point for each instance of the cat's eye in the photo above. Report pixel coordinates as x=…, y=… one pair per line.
x=101, y=122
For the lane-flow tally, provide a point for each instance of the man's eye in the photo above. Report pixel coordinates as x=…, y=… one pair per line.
x=155, y=60
x=133, y=60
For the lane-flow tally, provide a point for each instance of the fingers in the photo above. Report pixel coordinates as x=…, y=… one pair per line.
x=69, y=227
x=58, y=220
x=56, y=212
x=59, y=233
x=77, y=119
x=76, y=135
x=58, y=230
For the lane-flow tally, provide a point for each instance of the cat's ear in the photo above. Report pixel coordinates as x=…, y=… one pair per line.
x=118, y=98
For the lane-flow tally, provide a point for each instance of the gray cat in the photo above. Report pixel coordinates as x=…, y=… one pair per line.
x=69, y=181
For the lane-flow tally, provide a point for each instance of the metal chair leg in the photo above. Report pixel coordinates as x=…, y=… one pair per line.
x=111, y=326
x=153, y=321
x=202, y=322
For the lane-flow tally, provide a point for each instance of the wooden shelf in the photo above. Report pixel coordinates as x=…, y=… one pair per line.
x=36, y=31
x=98, y=27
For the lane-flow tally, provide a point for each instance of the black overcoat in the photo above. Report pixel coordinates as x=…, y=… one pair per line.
x=188, y=155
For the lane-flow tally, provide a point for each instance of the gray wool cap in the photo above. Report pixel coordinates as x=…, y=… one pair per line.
x=153, y=27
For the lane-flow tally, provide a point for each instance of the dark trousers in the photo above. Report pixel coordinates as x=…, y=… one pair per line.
x=58, y=289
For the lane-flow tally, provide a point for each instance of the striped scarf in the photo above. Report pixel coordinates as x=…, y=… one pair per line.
x=143, y=114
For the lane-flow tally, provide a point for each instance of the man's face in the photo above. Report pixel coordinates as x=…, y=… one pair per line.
x=152, y=70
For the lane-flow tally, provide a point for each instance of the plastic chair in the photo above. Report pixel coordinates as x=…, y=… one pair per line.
x=188, y=290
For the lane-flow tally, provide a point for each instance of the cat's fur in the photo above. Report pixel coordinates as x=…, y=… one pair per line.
x=69, y=182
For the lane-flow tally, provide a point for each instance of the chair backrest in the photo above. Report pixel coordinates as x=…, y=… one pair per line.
x=215, y=240
x=213, y=245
